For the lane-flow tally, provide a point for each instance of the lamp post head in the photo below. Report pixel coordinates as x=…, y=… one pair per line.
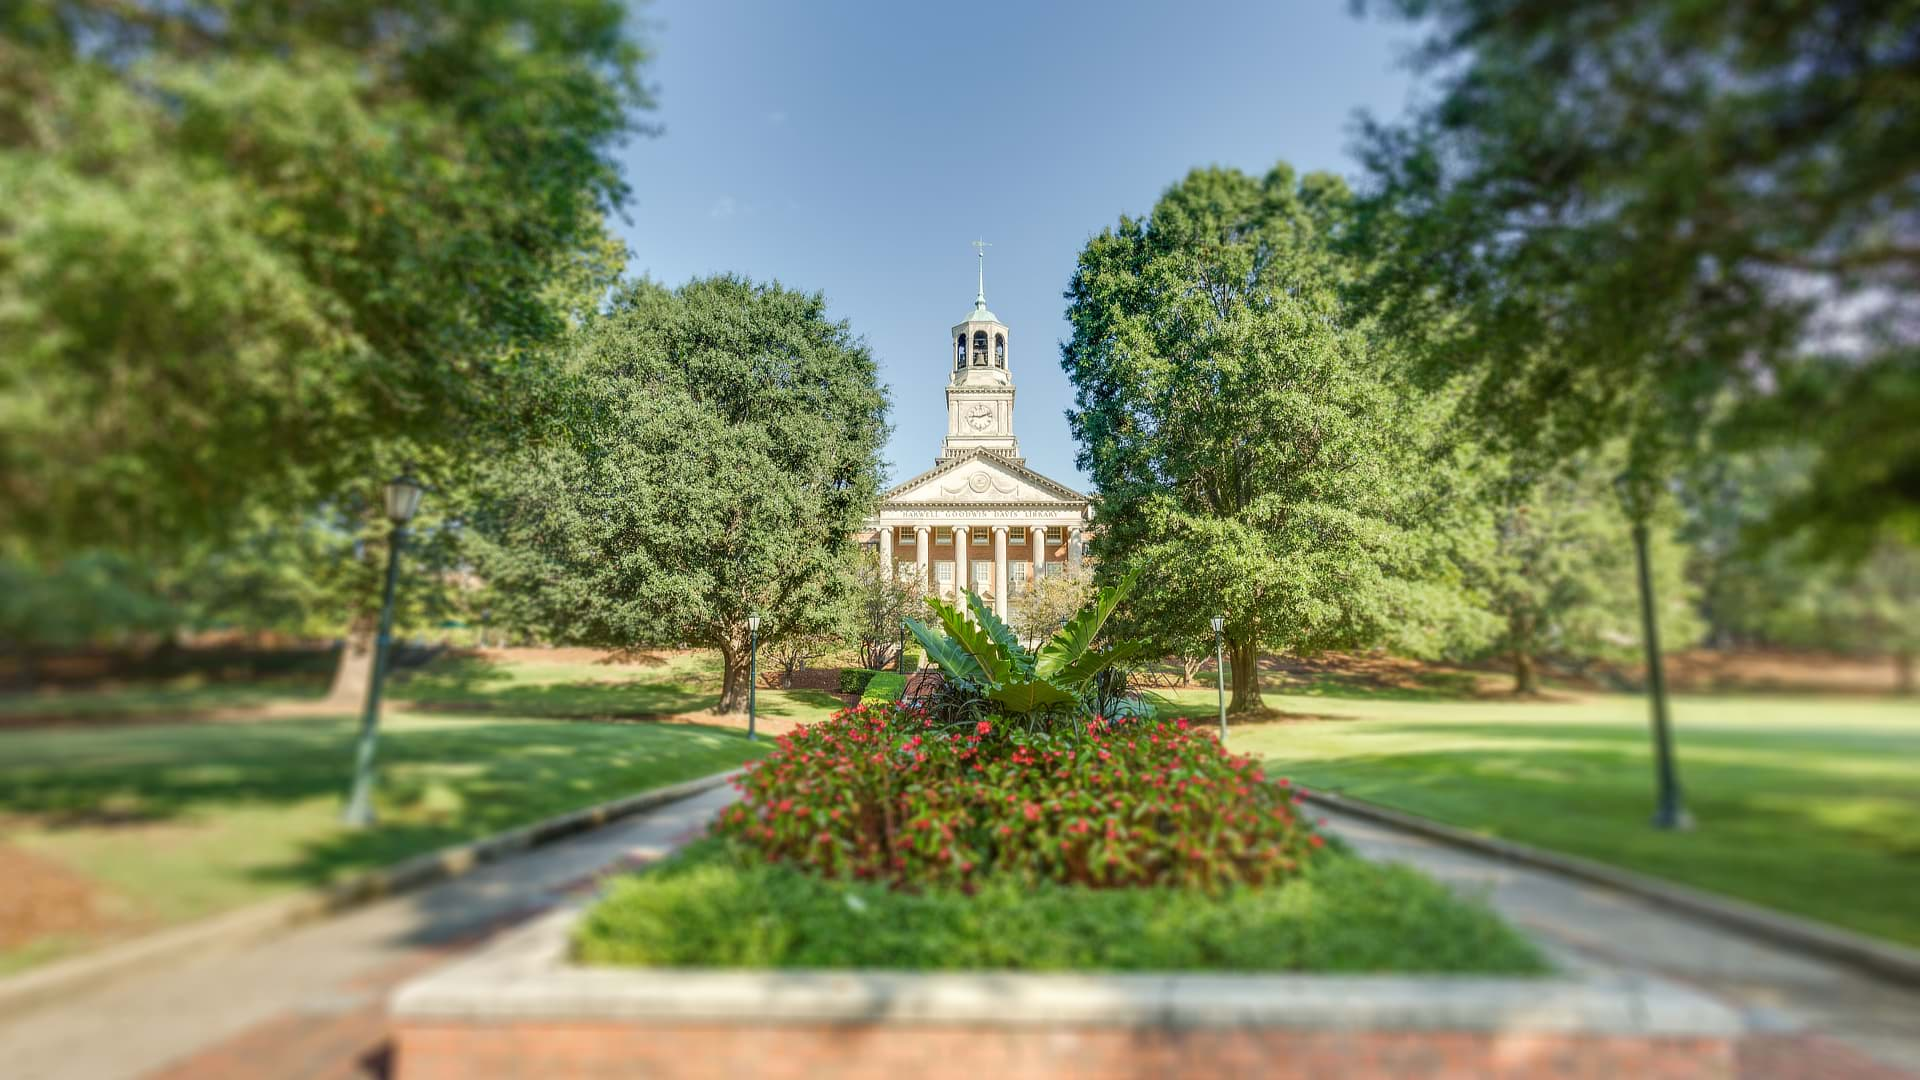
x=1219, y=623
x=403, y=498
x=753, y=623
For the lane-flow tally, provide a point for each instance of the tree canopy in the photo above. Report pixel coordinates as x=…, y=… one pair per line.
x=1670, y=218
x=245, y=243
x=725, y=446
x=1240, y=436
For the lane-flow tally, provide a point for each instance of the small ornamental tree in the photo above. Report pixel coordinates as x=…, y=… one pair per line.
x=725, y=447
x=880, y=605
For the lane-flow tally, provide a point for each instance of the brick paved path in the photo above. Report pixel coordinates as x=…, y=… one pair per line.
x=1810, y=1020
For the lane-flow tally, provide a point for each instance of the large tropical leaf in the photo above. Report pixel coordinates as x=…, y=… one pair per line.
x=1001, y=633
x=1073, y=640
x=953, y=660
x=1023, y=694
x=1093, y=661
x=985, y=651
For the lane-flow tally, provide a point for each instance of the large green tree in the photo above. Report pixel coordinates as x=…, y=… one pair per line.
x=725, y=445
x=1250, y=458
x=1668, y=216
x=249, y=246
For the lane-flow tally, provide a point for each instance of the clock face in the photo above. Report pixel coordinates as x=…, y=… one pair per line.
x=980, y=417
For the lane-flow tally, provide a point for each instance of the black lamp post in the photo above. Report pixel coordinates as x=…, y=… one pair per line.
x=902, y=663
x=1220, y=672
x=1670, y=812
x=403, y=498
x=753, y=670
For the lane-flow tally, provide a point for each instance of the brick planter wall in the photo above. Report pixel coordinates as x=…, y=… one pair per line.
x=519, y=1009
x=495, y=1051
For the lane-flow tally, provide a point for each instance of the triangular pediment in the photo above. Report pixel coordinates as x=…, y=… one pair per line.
x=980, y=477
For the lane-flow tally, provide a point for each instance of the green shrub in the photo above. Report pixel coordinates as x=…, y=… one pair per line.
x=853, y=680
x=885, y=687
x=710, y=907
x=882, y=792
x=988, y=672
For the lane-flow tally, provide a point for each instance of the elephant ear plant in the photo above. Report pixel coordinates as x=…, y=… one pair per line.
x=989, y=670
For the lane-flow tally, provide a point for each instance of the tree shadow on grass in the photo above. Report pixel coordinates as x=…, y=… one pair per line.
x=439, y=783
x=478, y=684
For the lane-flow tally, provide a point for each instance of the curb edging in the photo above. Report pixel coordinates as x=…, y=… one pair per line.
x=28, y=990
x=1881, y=959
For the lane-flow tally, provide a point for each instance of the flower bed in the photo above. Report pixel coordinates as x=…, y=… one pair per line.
x=882, y=792
x=882, y=838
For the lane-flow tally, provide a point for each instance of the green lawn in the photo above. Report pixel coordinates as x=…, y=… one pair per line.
x=674, y=685
x=1807, y=804
x=175, y=821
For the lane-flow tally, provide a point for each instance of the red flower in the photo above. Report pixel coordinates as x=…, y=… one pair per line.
x=983, y=727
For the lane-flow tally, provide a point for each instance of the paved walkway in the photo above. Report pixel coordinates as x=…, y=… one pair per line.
x=1814, y=1019
x=309, y=1003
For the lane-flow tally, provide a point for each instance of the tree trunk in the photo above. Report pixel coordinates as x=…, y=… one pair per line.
x=733, y=678
x=1520, y=632
x=355, y=669
x=1903, y=671
x=1246, y=678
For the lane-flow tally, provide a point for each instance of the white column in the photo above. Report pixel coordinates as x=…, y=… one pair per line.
x=1000, y=571
x=922, y=542
x=959, y=563
x=1036, y=552
x=886, y=549
x=1073, y=551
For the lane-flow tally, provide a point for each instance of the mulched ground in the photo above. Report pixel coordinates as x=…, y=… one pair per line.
x=44, y=899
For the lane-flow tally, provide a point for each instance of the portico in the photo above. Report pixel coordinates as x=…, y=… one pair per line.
x=980, y=519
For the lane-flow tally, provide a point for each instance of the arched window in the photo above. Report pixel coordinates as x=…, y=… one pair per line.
x=999, y=350
x=960, y=351
x=979, y=348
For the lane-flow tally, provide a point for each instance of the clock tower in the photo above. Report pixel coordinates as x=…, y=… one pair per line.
x=979, y=386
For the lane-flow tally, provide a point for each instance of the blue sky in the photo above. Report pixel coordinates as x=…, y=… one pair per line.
x=856, y=149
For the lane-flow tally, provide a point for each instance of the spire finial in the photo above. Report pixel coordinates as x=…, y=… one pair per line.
x=981, y=246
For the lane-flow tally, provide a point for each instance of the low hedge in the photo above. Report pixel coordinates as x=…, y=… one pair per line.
x=715, y=906
x=884, y=688
x=854, y=680
x=880, y=792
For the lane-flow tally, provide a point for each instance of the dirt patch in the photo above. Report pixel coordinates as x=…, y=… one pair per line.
x=44, y=899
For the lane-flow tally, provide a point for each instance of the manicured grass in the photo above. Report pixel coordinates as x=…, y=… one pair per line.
x=1807, y=804
x=709, y=908
x=673, y=685
x=176, y=697
x=176, y=821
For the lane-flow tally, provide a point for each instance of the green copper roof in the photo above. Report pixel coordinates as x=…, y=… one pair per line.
x=980, y=314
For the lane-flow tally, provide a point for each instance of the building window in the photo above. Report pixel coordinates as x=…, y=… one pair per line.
x=983, y=578
x=942, y=535
x=979, y=538
x=979, y=348
x=999, y=350
x=1052, y=569
x=1016, y=578
x=943, y=572
x=1016, y=537
x=960, y=352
